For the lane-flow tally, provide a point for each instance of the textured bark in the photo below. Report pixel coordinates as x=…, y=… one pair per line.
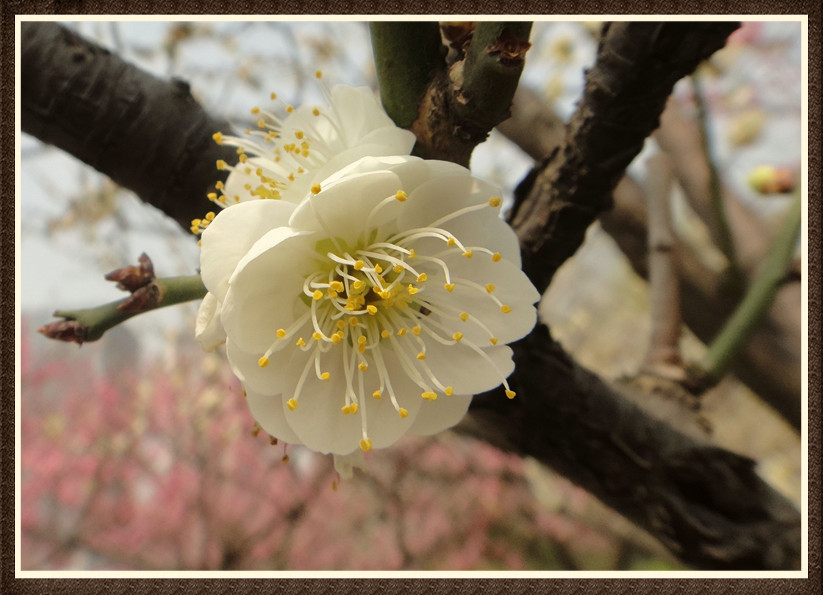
x=626, y=91
x=146, y=134
x=704, y=503
x=769, y=364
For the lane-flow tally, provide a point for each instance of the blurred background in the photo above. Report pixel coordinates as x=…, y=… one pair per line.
x=137, y=452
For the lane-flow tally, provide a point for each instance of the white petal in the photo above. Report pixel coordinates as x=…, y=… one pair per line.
x=230, y=236
x=441, y=414
x=271, y=380
x=318, y=420
x=466, y=370
x=342, y=209
x=208, y=329
x=267, y=411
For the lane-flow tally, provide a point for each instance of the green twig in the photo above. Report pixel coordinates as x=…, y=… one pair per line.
x=405, y=55
x=81, y=326
x=758, y=298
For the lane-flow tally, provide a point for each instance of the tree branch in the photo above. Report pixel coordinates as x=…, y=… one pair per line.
x=146, y=134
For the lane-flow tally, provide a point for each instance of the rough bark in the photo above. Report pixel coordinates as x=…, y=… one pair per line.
x=704, y=503
x=769, y=364
x=146, y=134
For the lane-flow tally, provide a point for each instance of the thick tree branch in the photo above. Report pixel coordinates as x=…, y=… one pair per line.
x=705, y=503
x=626, y=91
x=769, y=363
x=146, y=134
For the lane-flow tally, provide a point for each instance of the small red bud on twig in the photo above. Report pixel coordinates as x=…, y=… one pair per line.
x=65, y=330
x=142, y=299
x=132, y=278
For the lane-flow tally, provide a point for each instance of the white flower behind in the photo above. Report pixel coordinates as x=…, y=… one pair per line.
x=376, y=307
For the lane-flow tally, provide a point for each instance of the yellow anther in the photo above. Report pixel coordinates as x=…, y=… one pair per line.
x=401, y=196
x=376, y=394
x=361, y=339
x=289, y=109
x=511, y=394
x=363, y=366
x=281, y=333
x=372, y=309
x=218, y=137
x=210, y=216
x=255, y=110
x=404, y=413
x=261, y=123
x=316, y=336
x=464, y=316
x=358, y=285
x=337, y=285
x=467, y=253
x=449, y=287
x=421, y=277
x=219, y=185
x=505, y=309
x=401, y=332
x=361, y=348
x=315, y=112
x=412, y=253
x=412, y=289
x=365, y=445
x=291, y=179
x=421, y=356
x=496, y=257
x=416, y=330
x=195, y=222
x=340, y=324
x=385, y=334
x=300, y=342
x=325, y=376
x=221, y=164
x=352, y=320
x=346, y=409
x=490, y=287
x=398, y=268
x=291, y=404
x=299, y=135
x=449, y=391
x=493, y=340
x=457, y=336
x=451, y=242
x=315, y=188
x=358, y=265
x=378, y=269
x=429, y=396
x=273, y=95
x=494, y=201
x=263, y=362
x=337, y=337
x=318, y=74
x=317, y=295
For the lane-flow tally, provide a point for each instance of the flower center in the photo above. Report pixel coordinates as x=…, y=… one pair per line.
x=368, y=299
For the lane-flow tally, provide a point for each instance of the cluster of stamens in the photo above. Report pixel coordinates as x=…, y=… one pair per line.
x=375, y=296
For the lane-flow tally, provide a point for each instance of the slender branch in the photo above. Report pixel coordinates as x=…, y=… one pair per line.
x=86, y=325
x=663, y=357
x=405, y=55
x=758, y=299
x=720, y=221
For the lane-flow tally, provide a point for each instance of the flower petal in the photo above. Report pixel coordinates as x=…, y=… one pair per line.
x=267, y=411
x=441, y=414
x=208, y=328
x=270, y=380
x=230, y=236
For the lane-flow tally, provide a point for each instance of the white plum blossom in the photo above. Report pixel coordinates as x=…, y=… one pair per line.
x=284, y=157
x=375, y=307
